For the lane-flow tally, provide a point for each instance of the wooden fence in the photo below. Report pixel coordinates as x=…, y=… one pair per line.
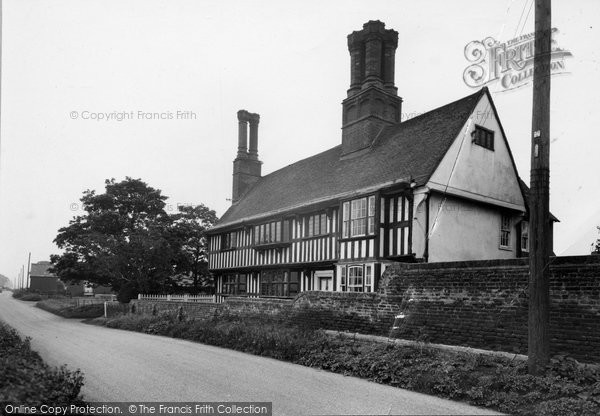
x=180, y=298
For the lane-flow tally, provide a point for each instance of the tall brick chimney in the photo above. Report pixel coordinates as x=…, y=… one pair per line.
x=372, y=101
x=246, y=166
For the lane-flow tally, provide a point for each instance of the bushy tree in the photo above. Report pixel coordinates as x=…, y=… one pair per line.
x=126, y=240
x=596, y=245
x=188, y=231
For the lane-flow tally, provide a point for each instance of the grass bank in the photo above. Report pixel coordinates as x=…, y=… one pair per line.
x=493, y=382
x=26, y=295
x=26, y=380
x=68, y=309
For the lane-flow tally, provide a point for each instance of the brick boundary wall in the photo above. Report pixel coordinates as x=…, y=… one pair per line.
x=480, y=304
x=485, y=304
x=193, y=310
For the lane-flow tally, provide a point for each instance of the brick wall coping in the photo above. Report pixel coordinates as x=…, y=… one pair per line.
x=522, y=262
x=339, y=295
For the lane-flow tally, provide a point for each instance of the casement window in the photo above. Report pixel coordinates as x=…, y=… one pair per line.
x=505, y=231
x=229, y=240
x=483, y=137
x=356, y=278
x=402, y=209
x=368, y=278
x=281, y=283
x=234, y=284
x=525, y=236
x=358, y=217
x=272, y=232
x=316, y=225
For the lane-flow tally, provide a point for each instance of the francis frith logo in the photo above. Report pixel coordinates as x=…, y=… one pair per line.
x=509, y=63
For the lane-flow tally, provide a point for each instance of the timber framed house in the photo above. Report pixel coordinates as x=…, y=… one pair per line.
x=442, y=186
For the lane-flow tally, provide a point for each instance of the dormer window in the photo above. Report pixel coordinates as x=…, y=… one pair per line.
x=483, y=137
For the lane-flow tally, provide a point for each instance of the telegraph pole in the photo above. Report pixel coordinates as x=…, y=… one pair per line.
x=539, y=204
x=28, y=268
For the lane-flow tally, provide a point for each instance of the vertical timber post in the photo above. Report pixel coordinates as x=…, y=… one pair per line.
x=539, y=256
x=29, y=270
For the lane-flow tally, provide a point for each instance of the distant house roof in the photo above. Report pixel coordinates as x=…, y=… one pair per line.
x=406, y=151
x=40, y=269
x=526, y=191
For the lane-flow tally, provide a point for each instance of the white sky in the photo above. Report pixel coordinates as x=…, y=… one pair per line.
x=287, y=61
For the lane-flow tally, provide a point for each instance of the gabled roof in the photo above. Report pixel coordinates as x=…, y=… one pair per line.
x=410, y=150
x=41, y=269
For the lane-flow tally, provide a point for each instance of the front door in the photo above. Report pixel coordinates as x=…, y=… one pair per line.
x=324, y=280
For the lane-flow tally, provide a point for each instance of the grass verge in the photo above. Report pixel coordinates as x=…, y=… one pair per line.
x=493, y=382
x=26, y=380
x=26, y=295
x=67, y=309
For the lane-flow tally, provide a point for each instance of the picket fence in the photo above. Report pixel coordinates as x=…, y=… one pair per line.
x=180, y=298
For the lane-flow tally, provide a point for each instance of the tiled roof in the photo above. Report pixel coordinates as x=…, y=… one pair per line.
x=41, y=269
x=408, y=150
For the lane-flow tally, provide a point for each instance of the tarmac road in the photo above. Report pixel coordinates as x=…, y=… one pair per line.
x=128, y=366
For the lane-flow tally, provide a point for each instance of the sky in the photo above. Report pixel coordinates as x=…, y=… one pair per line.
x=193, y=64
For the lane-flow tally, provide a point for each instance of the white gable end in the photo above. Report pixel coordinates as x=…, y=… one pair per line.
x=473, y=171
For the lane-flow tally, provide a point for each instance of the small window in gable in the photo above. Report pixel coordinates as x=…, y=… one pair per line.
x=483, y=137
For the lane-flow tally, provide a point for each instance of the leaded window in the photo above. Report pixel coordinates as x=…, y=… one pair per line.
x=358, y=217
x=505, y=231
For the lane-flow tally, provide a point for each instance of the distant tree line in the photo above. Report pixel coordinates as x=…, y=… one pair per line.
x=128, y=241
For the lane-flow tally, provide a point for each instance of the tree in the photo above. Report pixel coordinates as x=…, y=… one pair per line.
x=188, y=232
x=596, y=245
x=123, y=240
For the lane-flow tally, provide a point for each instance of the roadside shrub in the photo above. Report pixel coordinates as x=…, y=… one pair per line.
x=25, y=379
x=31, y=297
x=67, y=309
x=19, y=293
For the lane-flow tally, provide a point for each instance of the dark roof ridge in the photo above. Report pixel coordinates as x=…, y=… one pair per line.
x=300, y=161
x=412, y=120
x=466, y=97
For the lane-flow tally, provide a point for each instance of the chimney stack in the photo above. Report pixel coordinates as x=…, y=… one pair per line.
x=372, y=101
x=253, y=119
x=246, y=166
